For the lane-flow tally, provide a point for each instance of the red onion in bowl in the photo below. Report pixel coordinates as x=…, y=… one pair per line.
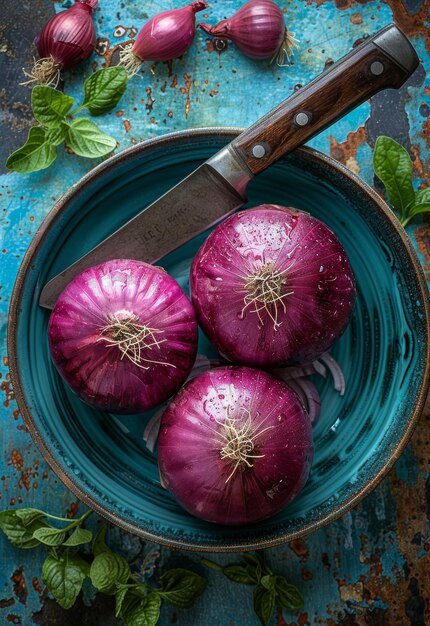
x=235, y=446
x=123, y=335
x=272, y=286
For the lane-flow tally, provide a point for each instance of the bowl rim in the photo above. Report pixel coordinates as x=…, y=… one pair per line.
x=68, y=481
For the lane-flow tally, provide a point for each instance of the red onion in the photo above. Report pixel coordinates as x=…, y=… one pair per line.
x=165, y=36
x=258, y=30
x=235, y=446
x=123, y=335
x=272, y=286
x=66, y=39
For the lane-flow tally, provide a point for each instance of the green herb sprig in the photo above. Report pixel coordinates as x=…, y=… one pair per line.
x=393, y=166
x=57, y=124
x=64, y=570
x=270, y=590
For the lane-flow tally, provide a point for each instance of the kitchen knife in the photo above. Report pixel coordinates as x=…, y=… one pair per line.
x=217, y=188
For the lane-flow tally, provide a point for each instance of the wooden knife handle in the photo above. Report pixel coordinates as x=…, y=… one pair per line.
x=385, y=60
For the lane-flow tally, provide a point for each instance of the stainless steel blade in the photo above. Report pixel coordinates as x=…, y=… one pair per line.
x=201, y=199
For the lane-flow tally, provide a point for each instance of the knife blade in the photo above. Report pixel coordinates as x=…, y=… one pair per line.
x=218, y=187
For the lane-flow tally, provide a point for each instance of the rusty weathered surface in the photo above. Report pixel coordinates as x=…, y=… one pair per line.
x=370, y=568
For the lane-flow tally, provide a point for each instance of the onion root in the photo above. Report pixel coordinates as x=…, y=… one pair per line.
x=132, y=339
x=44, y=72
x=264, y=291
x=286, y=50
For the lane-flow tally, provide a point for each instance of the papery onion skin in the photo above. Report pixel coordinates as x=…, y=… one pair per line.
x=191, y=440
x=257, y=29
x=69, y=36
x=317, y=295
x=92, y=366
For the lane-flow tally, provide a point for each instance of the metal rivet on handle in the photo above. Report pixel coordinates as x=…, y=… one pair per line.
x=301, y=119
x=377, y=68
x=258, y=151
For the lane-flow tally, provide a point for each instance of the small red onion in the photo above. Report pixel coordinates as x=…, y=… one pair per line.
x=66, y=39
x=258, y=30
x=164, y=37
x=123, y=335
x=235, y=446
x=272, y=286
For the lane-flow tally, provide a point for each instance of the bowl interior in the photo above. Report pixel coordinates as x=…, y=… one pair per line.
x=383, y=352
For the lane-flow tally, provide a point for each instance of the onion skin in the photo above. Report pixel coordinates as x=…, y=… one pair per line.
x=69, y=36
x=189, y=448
x=97, y=371
x=257, y=29
x=318, y=294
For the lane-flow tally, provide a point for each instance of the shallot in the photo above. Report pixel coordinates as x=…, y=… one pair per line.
x=164, y=37
x=66, y=39
x=258, y=30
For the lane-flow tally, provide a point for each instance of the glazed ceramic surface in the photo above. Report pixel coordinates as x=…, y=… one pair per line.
x=383, y=353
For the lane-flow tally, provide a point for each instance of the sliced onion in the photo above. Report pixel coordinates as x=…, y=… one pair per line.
x=335, y=371
x=309, y=396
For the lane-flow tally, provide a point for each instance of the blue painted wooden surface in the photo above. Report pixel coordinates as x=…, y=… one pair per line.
x=372, y=566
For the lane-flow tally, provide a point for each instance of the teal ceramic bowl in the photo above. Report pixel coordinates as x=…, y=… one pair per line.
x=384, y=352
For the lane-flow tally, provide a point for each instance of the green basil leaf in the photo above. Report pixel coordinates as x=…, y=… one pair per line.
x=422, y=195
x=50, y=105
x=181, y=587
x=288, y=595
x=36, y=154
x=239, y=574
x=393, y=166
x=27, y=516
x=99, y=545
x=416, y=209
x=119, y=600
x=87, y=140
x=268, y=581
x=107, y=570
x=79, y=536
x=50, y=536
x=63, y=575
x=57, y=134
x=264, y=603
x=104, y=89
x=18, y=533
x=146, y=613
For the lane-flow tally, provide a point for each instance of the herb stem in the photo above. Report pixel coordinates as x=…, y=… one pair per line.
x=212, y=564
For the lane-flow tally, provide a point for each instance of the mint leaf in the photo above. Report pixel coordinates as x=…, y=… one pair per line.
x=49, y=105
x=63, y=575
x=78, y=537
x=393, y=166
x=181, y=587
x=27, y=516
x=36, y=154
x=19, y=533
x=264, y=603
x=108, y=570
x=422, y=195
x=99, y=545
x=288, y=595
x=104, y=89
x=57, y=134
x=240, y=574
x=50, y=536
x=146, y=613
x=87, y=140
